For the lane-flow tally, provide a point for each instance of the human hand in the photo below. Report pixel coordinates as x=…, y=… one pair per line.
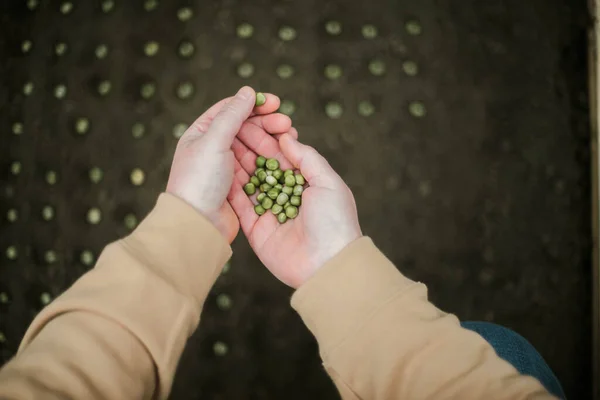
x=203, y=166
x=327, y=221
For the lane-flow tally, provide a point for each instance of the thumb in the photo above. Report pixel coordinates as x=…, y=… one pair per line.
x=311, y=164
x=229, y=120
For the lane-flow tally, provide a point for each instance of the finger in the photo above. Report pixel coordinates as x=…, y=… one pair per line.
x=230, y=118
x=244, y=156
x=293, y=132
x=243, y=208
x=272, y=123
x=311, y=164
x=271, y=105
x=240, y=173
x=260, y=142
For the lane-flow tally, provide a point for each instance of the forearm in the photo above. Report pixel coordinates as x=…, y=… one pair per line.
x=119, y=331
x=381, y=338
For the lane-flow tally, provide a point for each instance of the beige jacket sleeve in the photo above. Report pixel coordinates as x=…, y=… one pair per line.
x=380, y=338
x=119, y=331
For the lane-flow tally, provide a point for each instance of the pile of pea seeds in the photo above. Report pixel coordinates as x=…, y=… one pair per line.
x=278, y=191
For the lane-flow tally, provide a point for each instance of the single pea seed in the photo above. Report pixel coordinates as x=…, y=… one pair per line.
x=296, y=201
x=137, y=176
x=262, y=176
x=291, y=212
x=60, y=48
x=366, y=108
x=413, y=28
x=259, y=210
x=288, y=172
x=282, y=199
x=260, y=162
x=257, y=170
x=185, y=14
x=107, y=6
x=245, y=30
x=278, y=187
x=298, y=189
x=334, y=28
x=300, y=179
x=104, y=88
x=130, y=221
x=269, y=172
x=245, y=70
x=333, y=72
x=220, y=349
x=28, y=88
x=186, y=49
x=45, y=298
x=260, y=99
x=48, y=213
x=287, y=190
x=267, y=203
x=278, y=174
x=285, y=71
x=96, y=174
x=272, y=164
x=271, y=180
x=51, y=177
x=185, y=90
x=417, y=109
x=138, y=130
x=281, y=218
x=369, y=31
x=15, y=168
x=179, y=130
x=94, y=216
x=290, y=181
x=287, y=107
x=82, y=125
x=50, y=257
x=151, y=48
x=101, y=51
x=12, y=215
x=150, y=5
x=273, y=193
x=66, y=7
x=254, y=180
x=87, y=258
x=4, y=299
x=224, y=301
x=276, y=209
x=334, y=110
x=249, y=188
x=286, y=205
x=261, y=196
x=377, y=67
x=287, y=33
x=147, y=90
x=17, y=128
x=60, y=91
x=265, y=187
x=410, y=68
x=26, y=46
x=12, y=253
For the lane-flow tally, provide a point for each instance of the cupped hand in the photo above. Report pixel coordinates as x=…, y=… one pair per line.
x=203, y=167
x=327, y=221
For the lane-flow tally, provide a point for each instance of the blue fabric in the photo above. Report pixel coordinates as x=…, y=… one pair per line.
x=515, y=349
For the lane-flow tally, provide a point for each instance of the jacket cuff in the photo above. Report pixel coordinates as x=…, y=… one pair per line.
x=346, y=291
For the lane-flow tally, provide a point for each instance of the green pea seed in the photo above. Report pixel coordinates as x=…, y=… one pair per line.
x=300, y=179
x=296, y=200
x=278, y=187
x=267, y=203
x=291, y=212
x=260, y=197
x=265, y=187
x=273, y=193
x=288, y=190
x=282, y=218
x=286, y=205
x=260, y=161
x=272, y=164
x=290, y=181
x=276, y=209
x=254, y=180
x=298, y=189
x=278, y=174
x=258, y=209
x=282, y=198
x=271, y=180
x=262, y=175
x=288, y=172
x=249, y=188
x=260, y=99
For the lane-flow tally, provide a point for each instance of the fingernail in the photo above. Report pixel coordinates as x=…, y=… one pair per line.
x=245, y=93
